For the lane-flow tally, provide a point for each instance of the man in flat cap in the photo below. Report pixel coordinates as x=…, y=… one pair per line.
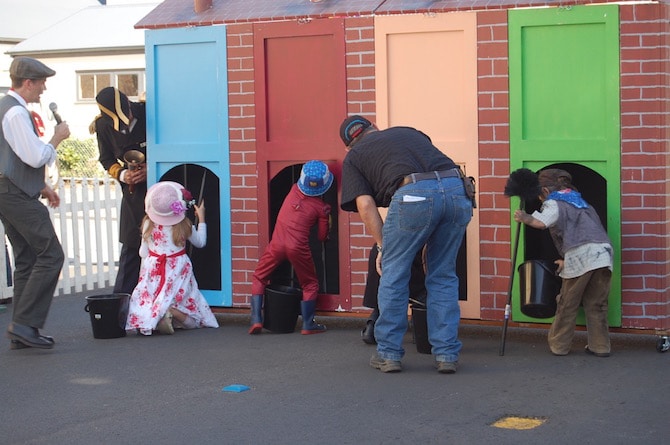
x=38, y=255
x=122, y=134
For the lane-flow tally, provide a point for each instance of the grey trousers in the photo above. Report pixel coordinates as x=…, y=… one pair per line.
x=590, y=290
x=38, y=254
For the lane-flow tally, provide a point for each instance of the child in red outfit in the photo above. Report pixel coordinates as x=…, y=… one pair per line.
x=302, y=209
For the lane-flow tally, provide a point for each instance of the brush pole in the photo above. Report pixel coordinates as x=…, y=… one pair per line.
x=508, y=306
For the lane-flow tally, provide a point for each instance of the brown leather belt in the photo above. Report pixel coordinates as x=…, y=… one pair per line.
x=416, y=177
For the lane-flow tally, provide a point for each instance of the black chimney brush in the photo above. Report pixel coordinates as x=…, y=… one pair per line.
x=524, y=184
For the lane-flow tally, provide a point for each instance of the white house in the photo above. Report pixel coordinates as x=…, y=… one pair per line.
x=21, y=19
x=94, y=47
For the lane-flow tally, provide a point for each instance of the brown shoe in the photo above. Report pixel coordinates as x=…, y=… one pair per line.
x=597, y=354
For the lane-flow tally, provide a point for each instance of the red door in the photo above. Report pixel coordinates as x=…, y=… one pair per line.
x=300, y=102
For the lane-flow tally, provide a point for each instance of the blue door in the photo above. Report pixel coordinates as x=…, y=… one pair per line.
x=187, y=137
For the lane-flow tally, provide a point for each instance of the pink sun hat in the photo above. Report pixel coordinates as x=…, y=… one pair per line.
x=166, y=203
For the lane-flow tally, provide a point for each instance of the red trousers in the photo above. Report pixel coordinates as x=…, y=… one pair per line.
x=300, y=259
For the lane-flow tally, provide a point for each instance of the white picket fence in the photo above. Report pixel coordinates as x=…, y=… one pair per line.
x=87, y=224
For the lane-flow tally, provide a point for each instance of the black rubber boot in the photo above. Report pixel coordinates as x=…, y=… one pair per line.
x=368, y=332
x=256, y=315
x=308, y=324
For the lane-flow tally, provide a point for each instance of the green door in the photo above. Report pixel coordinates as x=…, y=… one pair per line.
x=564, y=110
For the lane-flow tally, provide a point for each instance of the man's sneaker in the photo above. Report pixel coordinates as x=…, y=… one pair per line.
x=446, y=367
x=385, y=365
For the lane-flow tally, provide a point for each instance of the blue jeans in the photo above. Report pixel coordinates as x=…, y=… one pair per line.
x=434, y=213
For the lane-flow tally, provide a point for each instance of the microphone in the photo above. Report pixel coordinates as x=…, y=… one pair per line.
x=54, y=109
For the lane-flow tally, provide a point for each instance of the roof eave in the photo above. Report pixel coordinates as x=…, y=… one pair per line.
x=79, y=51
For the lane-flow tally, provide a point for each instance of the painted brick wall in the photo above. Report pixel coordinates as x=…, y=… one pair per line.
x=664, y=309
x=645, y=155
x=494, y=166
x=361, y=100
x=645, y=167
x=360, y=59
x=243, y=174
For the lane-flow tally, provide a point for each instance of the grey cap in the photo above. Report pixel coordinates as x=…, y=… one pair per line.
x=28, y=68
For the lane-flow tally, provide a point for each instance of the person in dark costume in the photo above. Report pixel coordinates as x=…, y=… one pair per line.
x=120, y=128
x=417, y=291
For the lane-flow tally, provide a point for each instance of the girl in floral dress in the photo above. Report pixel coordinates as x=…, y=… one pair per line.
x=167, y=295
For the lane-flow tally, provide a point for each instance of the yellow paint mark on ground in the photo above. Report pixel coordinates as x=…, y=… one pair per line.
x=519, y=423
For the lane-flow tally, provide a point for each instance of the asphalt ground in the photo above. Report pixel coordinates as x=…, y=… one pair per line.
x=319, y=389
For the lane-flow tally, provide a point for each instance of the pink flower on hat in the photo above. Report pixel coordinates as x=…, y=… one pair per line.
x=178, y=207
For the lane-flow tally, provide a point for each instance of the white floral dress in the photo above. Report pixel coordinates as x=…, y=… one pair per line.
x=167, y=280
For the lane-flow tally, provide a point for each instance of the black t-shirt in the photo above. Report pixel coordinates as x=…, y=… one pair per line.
x=377, y=163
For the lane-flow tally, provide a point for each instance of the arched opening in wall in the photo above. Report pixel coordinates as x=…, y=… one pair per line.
x=592, y=186
x=325, y=254
x=203, y=185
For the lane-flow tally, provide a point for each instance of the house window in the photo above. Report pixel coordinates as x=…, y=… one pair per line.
x=130, y=83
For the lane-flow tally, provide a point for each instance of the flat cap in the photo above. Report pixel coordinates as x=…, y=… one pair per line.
x=28, y=68
x=554, y=177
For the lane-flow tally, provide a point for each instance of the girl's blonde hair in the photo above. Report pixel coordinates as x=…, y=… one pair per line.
x=180, y=231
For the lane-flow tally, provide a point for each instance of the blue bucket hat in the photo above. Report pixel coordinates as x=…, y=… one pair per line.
x=315, y=178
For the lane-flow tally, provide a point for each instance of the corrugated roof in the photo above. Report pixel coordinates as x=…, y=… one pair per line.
x=20, y=19
x=92, y=28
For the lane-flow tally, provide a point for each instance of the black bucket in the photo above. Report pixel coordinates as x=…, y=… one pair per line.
x=539, y=287
x=108, y=314
x=420, y=327
x=281, y=308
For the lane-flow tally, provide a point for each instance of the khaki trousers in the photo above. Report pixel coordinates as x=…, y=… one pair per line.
x=591, y=291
